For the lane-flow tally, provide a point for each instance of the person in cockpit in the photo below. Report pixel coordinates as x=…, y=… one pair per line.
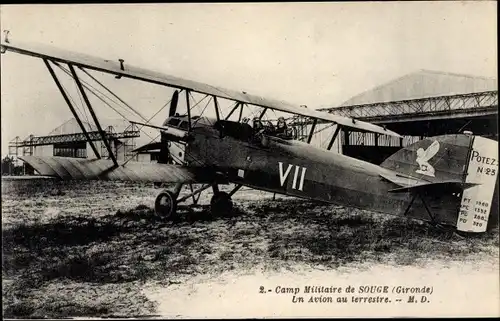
x=281, y=127
x=282, y=130
x=258, y=127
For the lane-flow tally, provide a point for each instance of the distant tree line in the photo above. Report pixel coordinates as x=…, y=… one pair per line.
x=10, y=168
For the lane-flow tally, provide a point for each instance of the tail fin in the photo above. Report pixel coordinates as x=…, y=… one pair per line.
x=433, y=159
x=470, y=160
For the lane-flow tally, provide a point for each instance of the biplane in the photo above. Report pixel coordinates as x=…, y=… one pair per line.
x=447, y=180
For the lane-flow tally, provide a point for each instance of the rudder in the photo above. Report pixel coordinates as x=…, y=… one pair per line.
x=471, y=160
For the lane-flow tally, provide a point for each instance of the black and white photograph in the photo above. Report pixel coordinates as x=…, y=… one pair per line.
x=250, y=160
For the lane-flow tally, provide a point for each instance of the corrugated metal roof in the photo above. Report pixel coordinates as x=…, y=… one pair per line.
x=424, y=84
x=69, y=127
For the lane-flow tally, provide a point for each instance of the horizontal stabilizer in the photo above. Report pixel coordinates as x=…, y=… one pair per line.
x=66, y=168
x=402, y=180
x=440, y=187
x=412, y=184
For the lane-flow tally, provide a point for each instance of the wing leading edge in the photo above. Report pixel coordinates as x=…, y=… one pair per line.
x=113, y=67
x=66, y=168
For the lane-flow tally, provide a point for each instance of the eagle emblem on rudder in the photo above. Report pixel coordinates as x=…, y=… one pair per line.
x=423, y=157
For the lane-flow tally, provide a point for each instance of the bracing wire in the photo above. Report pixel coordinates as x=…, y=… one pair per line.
x=159, y=110
x=221, y=115
x=206, y=105
x=328, y=138
x=137, y=153
x=112, y=93
x=71, y=98
x=91, y=90
x=81, y=102
x=274, y=112
x=85, y=82
x=197, y=103
x=173, y=156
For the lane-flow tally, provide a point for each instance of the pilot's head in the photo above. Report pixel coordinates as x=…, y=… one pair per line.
x=257, y=123
x=281, y=122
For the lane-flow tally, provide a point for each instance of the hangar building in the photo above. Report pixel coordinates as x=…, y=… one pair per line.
x=68, y=140
x=417, y=105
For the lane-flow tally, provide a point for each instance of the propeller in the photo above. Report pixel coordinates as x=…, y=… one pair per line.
x=164, y=151
x=173, y=104
x=165, y=139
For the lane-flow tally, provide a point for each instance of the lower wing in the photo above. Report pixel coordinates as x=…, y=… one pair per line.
x=66, y=168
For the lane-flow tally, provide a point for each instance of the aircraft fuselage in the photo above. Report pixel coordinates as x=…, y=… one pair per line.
x=298, y=169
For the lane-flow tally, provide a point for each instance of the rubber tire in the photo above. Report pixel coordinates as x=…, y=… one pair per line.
x=221, y=204
x=166, y=213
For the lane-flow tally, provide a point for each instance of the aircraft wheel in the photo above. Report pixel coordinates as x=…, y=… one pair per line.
x=166, y=205
x=221, y=204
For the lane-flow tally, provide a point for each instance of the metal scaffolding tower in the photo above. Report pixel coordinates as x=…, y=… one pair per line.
x=27, y=145
x=70, y=138
x=299, y=124
x=130, y=143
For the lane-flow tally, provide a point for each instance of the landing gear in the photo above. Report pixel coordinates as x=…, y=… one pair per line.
x=166, y=205
x=221, y=204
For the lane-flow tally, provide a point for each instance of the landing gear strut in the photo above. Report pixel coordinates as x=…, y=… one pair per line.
x=221, y=204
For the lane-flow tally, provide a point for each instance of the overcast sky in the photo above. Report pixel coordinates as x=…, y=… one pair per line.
x=314, y=54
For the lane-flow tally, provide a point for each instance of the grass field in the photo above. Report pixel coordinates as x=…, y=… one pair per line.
x=88, y=248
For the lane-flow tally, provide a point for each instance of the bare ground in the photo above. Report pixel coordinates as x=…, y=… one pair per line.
x=92, y=248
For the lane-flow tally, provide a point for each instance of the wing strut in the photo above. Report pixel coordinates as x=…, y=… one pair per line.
x=65, y=96
x=188, y=105
x=232, y=110
x=241, y=113
x=94, y=117
x=337, y=131
x=263, y=113
x=216, y=105
x=315, y=121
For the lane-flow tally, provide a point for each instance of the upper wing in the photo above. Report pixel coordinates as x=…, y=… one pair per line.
x=113, y=67
x=66, y=168
x=431, y=150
